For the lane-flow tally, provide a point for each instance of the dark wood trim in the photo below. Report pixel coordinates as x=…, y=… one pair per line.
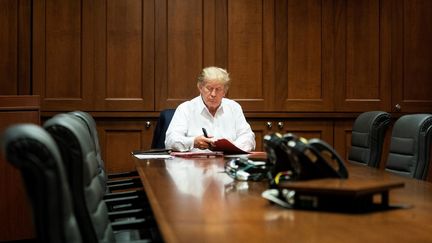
x=263, y=115
x=22, y=102
x=24, y=47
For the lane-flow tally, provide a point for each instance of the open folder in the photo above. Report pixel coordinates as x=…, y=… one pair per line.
x=227, y=147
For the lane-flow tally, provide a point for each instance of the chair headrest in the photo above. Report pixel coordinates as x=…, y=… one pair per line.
x=33, y=151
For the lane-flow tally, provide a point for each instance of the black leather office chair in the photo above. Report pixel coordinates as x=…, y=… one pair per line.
x=410, y=146
x=80, y=159
x=367, y=139
x=33, y=151
x=121, y=194
x=163, y=122
x=113, y=181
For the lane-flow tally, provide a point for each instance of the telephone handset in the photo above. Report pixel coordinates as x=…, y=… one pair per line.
x=330, y=156
x=296, y=158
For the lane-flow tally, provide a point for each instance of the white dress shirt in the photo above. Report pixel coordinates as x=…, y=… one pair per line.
x=191, y=116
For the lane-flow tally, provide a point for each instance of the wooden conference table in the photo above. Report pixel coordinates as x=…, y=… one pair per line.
x=195, y=201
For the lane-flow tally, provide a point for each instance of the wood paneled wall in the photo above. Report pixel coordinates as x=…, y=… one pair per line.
x=303, y=66
x=283, y=56
x=291, y=61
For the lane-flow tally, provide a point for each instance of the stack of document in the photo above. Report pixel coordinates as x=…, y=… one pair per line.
x=198, y=154
x=152, y=154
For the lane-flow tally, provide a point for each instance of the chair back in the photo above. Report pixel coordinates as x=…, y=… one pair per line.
x=33, y=151
x=410, y=146
x=367, y=139
x=90, y=123
x=79, y=156
x=163, y=122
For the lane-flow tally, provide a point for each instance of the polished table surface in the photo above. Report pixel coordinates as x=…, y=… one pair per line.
x=195, y=201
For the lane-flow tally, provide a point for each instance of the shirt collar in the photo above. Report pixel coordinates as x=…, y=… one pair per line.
x=203, y=107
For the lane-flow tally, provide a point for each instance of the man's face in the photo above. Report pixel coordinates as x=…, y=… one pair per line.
x=212, y=93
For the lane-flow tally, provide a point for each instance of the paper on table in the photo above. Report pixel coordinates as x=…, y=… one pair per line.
x=152, y=156
x=227, y=147
x=152, y=151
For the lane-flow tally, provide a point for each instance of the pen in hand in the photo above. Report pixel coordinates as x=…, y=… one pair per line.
x=205, y=132
x=206, y=135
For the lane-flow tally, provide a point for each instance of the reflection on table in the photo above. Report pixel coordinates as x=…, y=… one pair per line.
x=195, y=201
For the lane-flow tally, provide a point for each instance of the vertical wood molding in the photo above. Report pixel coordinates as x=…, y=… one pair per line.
x=24, y=47
x=9, y=48
x=221, y=33
x=15, y=47
x=342, y=137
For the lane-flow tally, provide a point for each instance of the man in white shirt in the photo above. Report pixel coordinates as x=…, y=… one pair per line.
x=219, y=116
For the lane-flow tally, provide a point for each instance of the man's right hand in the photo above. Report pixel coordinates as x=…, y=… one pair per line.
x=201, y=142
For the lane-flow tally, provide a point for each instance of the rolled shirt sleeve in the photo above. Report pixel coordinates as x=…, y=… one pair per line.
x=245, y=138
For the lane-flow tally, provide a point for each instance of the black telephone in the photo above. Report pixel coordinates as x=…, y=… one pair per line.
x=296, y=158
